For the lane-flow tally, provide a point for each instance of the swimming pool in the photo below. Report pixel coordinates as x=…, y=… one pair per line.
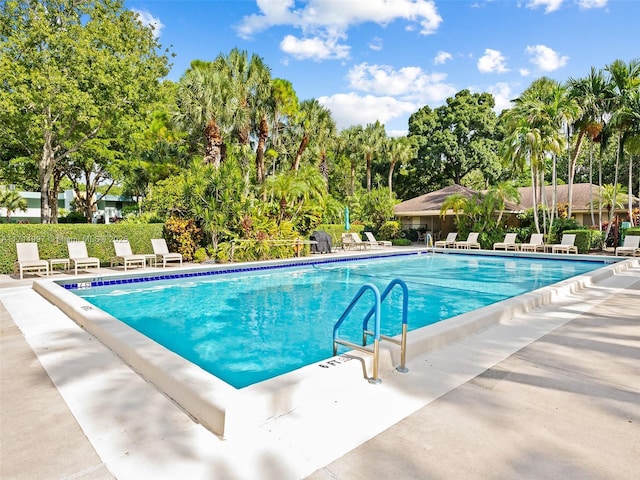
x=228, y=411
x=246, y=327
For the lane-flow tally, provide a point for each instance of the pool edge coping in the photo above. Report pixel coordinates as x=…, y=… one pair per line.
x=222, y=409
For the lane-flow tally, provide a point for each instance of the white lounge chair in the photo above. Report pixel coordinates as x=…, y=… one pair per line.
x=29, y=259
x=534, y=244
x=79, y=256
x=125, y=256
x=631, y=246
x=353, y=240
x=162, y=252
x=509, y=243
x=376, y=243
x=566, y=245
x=447, y=242
x=357, y=241
x=470, y=242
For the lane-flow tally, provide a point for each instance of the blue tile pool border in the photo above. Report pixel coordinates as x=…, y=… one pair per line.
x=151, y=277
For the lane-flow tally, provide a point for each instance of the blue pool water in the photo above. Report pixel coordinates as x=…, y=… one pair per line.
x=248, y=327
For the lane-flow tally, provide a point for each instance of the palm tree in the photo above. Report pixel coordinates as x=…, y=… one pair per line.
x=314, y=123
x=625, y=80
x=500, y=194
x=200, y=100
x=522, y=147
x=611, y=197
x=399, y=150
x=348, y=145
x=455, y=203
x=12, y=201
x=285, y=109
x=591, y=93
x=371, y=142
x=534, y=134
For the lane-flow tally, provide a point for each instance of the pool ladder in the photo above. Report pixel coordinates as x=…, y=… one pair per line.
x=377, y=336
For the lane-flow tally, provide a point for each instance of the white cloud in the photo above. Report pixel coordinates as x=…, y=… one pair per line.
x=545, y=58
x=442, y=57
x=331, y=20
x=315, y=48
x=524, y=72
x=273, y=12
x=408, y=83
x=587, y=4
x=502, y=93
x=353, y=109
x=492, y=62
x=149, y=20
x=376, y=44
x=550, y=5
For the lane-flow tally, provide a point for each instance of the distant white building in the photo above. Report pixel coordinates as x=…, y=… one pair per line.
x=107, y=207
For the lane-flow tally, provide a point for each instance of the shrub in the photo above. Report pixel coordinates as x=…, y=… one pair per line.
x=183, y=236
x=389, y=230
x=73, y=217
x=200, y=255
x=401, y=242
x=583, y=239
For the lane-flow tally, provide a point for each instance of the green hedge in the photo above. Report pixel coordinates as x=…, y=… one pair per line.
x=583, y=239
x=52, y=240
x=336, y=230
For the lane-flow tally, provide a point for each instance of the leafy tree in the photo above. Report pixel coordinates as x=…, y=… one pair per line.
x=377, y=207
x=165, y=198
x=71, y=72
x=458, y=137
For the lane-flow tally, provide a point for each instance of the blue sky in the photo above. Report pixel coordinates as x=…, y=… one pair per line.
x=369, y=60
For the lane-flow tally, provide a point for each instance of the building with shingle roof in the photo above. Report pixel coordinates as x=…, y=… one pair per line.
x=423, y=212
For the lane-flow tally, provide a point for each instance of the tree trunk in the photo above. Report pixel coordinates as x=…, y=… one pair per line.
x=599, y=191
x=352, y=178
x=593, y=218
x=215, y=146
x=324, y=169
x=615, y=189
x=554, y=194
x=368, y=158
x=390, y=178
x=630, y=206
x=303, y=146
x=534, y=199
x=53, y=193
x=45, y=170
x=572, y=169
x=262, y=141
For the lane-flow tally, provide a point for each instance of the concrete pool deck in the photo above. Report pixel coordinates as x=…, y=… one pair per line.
x=553, y=393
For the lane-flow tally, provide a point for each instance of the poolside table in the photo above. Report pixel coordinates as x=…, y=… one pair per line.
x=59, y=261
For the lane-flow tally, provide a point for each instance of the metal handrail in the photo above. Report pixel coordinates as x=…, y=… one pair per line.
x=405, y=307
x=377, y=336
